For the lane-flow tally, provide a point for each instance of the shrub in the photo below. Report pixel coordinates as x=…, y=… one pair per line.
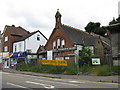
x=116, y=70
x=96, y=70
x=71, y=69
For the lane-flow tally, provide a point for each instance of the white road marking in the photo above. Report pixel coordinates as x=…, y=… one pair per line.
x=45, y=85
x=58, y=82
x=76, y=82
x=16, y=85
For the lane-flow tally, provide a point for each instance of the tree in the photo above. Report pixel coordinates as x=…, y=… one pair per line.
x=95, y=28
x=85, y=56
x=114, y=21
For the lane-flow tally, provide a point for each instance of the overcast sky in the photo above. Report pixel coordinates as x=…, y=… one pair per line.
x=40, y=14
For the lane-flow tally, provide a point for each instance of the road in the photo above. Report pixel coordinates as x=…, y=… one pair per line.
x=29, y=82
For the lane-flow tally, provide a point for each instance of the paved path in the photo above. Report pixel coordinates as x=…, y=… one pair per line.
x=111, y=79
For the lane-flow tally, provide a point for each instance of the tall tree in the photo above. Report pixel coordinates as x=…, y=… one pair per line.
x=95, y=28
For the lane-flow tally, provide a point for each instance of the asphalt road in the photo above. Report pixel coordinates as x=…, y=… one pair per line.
x=29, y=82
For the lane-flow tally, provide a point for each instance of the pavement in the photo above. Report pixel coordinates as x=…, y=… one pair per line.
x=108, y=79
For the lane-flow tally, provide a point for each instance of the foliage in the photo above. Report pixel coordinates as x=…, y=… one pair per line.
x=102, y=70
x=114, y=21
x=95, y=28
x=96, y=70
x=71, y=69
x=85, y=57
x=116, y=70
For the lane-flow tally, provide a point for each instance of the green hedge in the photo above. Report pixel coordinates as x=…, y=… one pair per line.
x=102, y=70
x=71, y=69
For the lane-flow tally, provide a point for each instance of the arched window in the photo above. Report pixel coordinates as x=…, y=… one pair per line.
x=58, y=43
x=54, y=44
x=63, y=43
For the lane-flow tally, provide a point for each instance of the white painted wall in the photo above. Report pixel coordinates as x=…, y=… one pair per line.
x=17, y=44
x=31, y=43
x=119, y=8
x=79, y=47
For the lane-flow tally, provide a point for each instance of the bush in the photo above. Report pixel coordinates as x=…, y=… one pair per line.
x=104, y=71
x=116, y=70
x=71, y=69
x=96, y=70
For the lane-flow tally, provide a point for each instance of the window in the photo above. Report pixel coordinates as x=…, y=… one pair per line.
x=15, y=48
x=67, y=58
x=19, y=46
x=5, y=48
x=54, y=44
x=38, y=37
x=63, y=43
x=6, y=38
x=92, y=49
x=58, y=43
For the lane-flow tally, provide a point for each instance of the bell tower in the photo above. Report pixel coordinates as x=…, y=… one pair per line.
x=58, y=19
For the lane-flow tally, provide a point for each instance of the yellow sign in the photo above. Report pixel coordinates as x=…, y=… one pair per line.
x=55, y=62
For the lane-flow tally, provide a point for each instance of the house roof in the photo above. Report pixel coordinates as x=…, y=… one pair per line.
x=79, y=36
x=104, y=39
x=28, y=35
x=112, y=25
x=15, y=30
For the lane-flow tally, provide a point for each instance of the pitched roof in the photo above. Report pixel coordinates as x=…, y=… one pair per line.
x=15, y=30
x=28, y=35
x=104, y=39
x=79, y=36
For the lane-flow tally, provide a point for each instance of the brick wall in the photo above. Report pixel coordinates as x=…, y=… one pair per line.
x=58, y=33
x=54, y=36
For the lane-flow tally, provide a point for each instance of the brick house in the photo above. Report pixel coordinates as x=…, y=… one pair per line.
x=10, y=34
x=65, y=42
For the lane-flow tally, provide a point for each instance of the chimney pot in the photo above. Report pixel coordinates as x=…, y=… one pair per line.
x=13, y=25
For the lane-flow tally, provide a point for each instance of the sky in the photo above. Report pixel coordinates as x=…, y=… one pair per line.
x=35, y=15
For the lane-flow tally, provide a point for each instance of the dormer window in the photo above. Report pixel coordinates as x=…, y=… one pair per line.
x=38, y=37
x=6, y=38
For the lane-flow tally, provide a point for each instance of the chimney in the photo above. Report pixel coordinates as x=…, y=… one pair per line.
x=13, y=25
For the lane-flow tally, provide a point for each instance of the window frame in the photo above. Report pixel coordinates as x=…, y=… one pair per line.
x=58, y=43
x=5, y=48
x=6, y=39
x=38, y=37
